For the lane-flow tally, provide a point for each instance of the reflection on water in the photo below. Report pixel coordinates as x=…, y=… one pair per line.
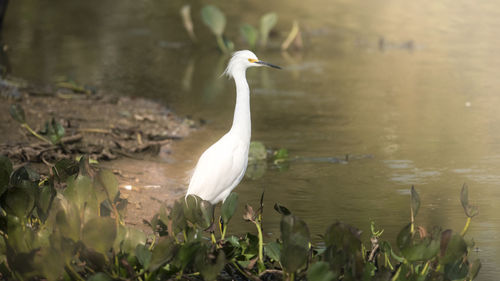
x=412, y=83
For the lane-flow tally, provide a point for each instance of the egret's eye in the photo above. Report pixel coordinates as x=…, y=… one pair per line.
x=252, y=60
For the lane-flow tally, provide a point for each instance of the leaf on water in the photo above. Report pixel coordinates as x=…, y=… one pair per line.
x=207, y=213
x=257, y=151
x=320, y=271
x=267, y=22
x=250, y=34
x=17, y=112
x=214, y=19
x=415, y=201
x=17, y=202
x=229, y=207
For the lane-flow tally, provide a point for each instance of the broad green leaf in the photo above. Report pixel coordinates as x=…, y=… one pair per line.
x=65, y=168
x=250, y=34
x=68, y=220
x=187, y=253
x=207, y=212
x=210, y=264
x=273, y=250
x=229, y=207
x=470, y=210
x=474, y=269
x=17, y=112
x=99, y=234
x=80, y=191
x=163, y=252
x=214, y=19
x=267, y=22
x=295, y=236
x=143, y=255
x=108, y=181
x=178, y=218
x=131, y=239
x=414, y=248
x=18, y=202
x=5, y=171
x=320, y=271
x=455, y=249
x=456, y=270
x=44, y=199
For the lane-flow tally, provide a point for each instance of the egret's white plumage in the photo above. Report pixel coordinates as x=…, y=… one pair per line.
x=222, y=166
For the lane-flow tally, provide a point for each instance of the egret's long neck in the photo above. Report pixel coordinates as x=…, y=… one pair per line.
x=241, y=121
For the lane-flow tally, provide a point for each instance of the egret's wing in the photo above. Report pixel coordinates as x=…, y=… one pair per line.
x=219, y=169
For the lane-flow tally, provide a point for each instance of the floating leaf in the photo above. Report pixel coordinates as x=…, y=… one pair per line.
x=267, y=22
x=257, y=151
x=474, y=269
x=457, y=270
x=187, y=253
x=416, y=248
x=229, y=207
x=320, y=271
x=132, y=238
x=17, y=112
x=68, y=220
x=250, y=34
x=214, y=19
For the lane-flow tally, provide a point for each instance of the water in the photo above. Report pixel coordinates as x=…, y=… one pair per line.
x=412, y=84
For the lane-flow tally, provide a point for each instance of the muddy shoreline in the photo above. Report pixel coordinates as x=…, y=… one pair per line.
x=131, y=136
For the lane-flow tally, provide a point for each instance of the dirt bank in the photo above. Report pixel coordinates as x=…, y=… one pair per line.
x=130, y=136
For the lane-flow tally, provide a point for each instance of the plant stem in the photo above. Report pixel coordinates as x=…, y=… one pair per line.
x=292, y=276
x=73, y=272
x=221, y=44
x=424, y=271
x=261, y=243
x=212, y=235
x=27, y=127
x=395, y=277
x=466, y=227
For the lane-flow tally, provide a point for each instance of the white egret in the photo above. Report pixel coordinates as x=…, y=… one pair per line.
x=222, y=166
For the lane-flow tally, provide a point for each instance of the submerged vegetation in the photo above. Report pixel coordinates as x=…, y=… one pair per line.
x=69, y=225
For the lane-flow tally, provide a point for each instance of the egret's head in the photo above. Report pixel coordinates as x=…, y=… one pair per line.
x=241, y=60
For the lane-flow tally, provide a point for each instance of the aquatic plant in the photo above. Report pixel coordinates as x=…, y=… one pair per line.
x=69, y=225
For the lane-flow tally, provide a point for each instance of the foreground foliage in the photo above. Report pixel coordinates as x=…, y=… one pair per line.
x=69, y=226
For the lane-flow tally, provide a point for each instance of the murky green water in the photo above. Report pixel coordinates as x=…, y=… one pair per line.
x=413, y=84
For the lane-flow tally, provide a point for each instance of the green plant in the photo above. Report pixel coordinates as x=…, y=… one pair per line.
x=215, y=19
x=69, y=226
